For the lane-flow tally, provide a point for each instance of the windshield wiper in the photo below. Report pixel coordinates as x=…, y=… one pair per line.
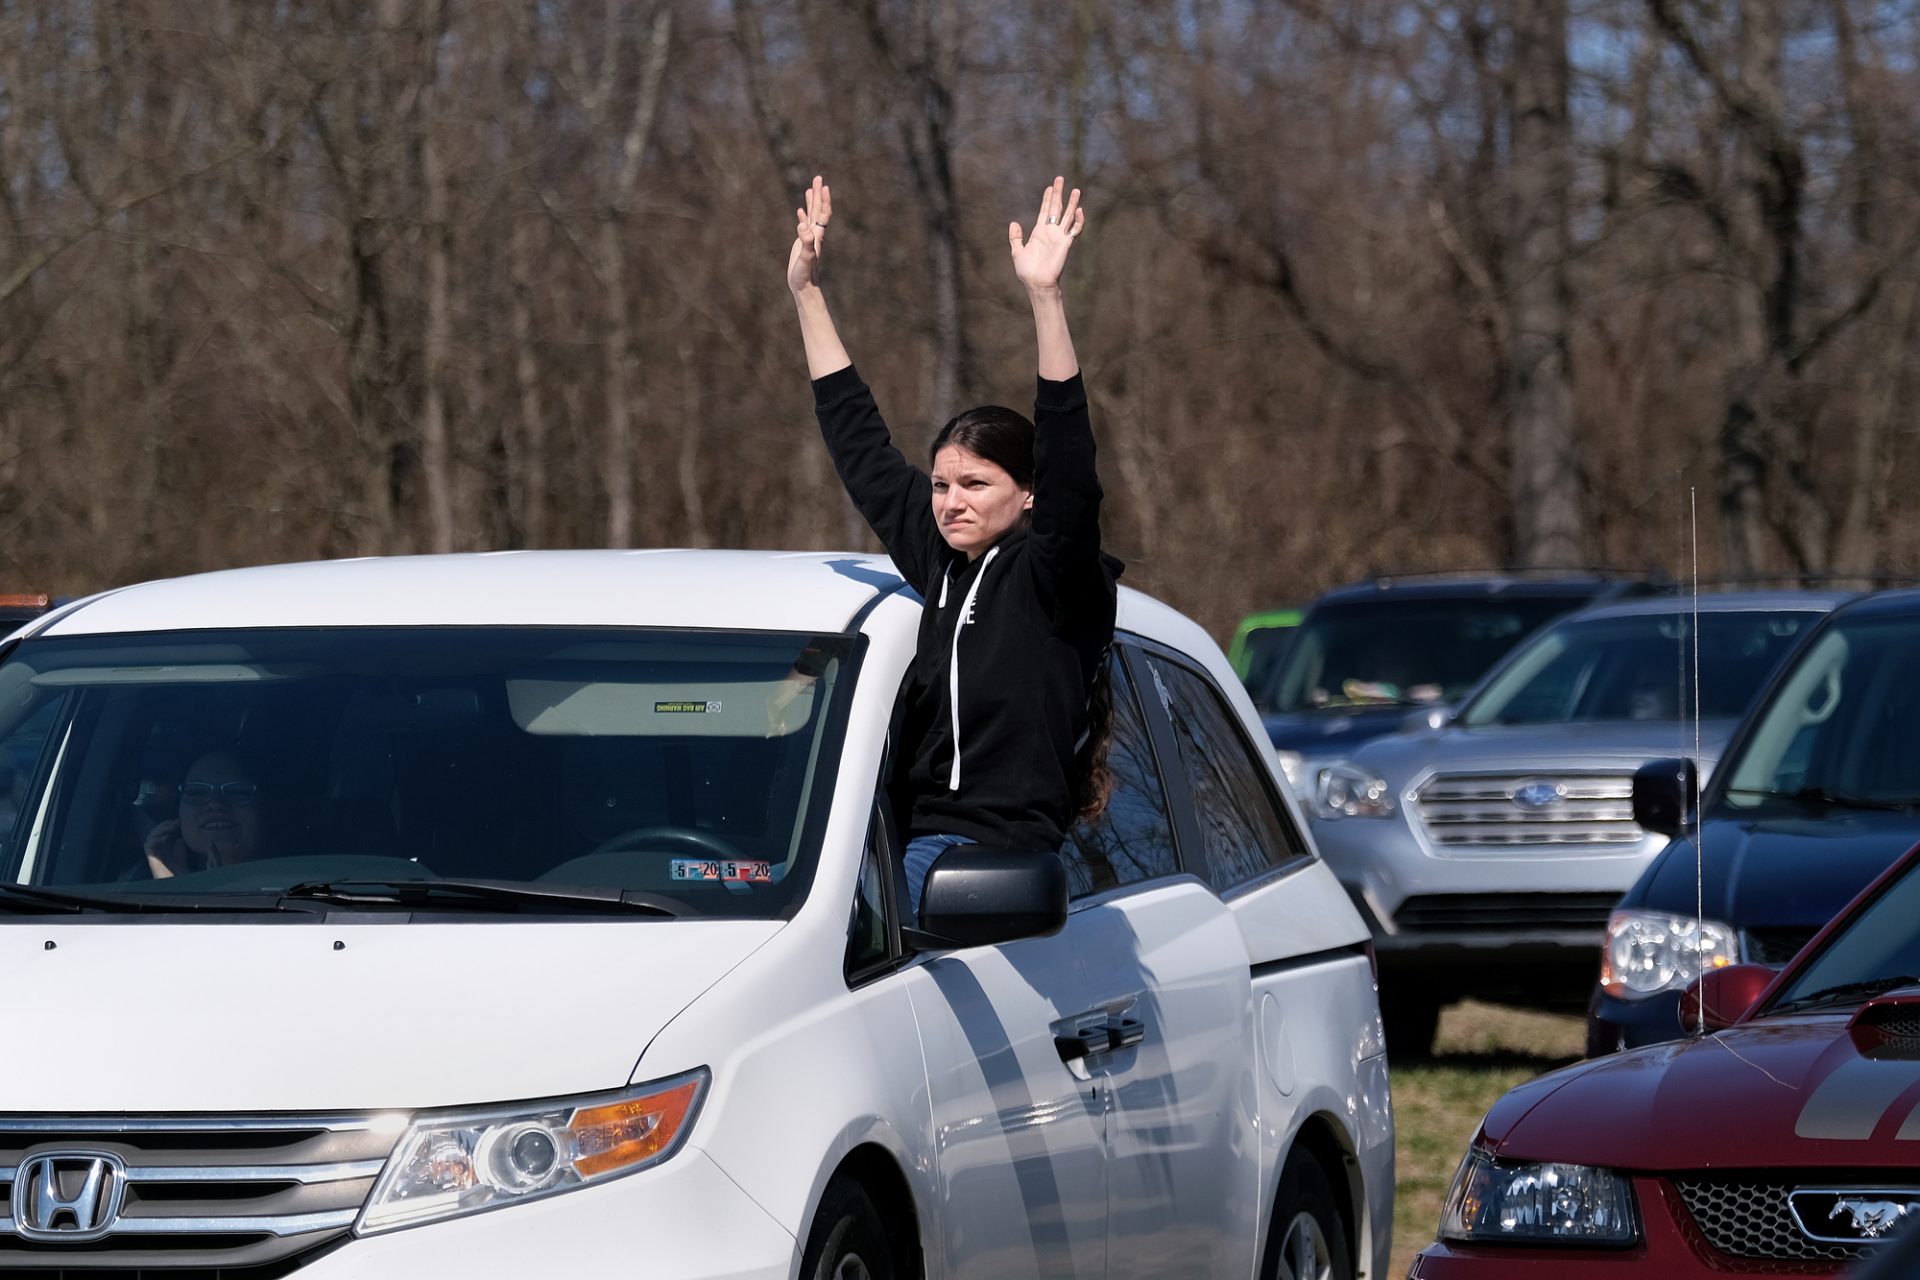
x=31, y=899
x=1847, y=991
x=1830, y=799
x=479, y=895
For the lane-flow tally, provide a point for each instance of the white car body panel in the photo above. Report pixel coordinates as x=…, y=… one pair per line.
x=1259, y=1011
x=363, y=1017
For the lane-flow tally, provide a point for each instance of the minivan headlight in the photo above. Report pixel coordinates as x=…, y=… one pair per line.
x=1537, y=1203
x=450, y=1164
x=1647, y=952
x=1348, y=791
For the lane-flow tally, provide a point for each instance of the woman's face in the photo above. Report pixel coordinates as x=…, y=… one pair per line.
x=220, y=816
x=974, y=501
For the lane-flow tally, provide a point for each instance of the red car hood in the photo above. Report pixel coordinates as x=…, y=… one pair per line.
x=1795, y=1090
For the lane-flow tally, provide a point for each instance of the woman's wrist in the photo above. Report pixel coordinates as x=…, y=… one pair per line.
x=1043, y=294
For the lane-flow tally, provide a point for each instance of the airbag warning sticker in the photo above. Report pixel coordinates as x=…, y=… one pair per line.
x=724, y=871
x=687, y=708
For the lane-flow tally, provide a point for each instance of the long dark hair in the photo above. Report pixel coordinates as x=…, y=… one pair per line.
x=998, y=434
x=1093, y=781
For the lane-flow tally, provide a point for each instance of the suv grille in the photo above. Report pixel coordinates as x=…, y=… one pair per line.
x=240, y=1198
x=1491, y=810
x=1504, y=912
x=1776, y=946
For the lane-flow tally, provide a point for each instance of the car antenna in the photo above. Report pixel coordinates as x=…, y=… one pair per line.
x=1699, y=828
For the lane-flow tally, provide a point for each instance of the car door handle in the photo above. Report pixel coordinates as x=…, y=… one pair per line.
x=1101, y=1037
x=1084, y=1043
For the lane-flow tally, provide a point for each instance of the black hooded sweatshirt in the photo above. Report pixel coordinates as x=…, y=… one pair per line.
x=1014, y=637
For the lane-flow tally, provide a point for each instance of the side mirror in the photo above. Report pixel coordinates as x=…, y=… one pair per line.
x=975, y=897
x=1718, y=997
x=1663, y=793
x=1433, y=717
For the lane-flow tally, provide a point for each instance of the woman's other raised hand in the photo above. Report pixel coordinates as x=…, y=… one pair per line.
x=810, y=237
x=1039, y=259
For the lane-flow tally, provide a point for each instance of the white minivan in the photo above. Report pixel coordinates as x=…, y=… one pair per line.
x=536, y=913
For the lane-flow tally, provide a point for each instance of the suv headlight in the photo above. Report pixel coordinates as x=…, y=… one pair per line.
x=1529, y=1203
x=1647, y=952
x=1348, y=791
x=457, y=1163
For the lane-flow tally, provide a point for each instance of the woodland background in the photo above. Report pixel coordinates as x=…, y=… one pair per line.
x=1365, y=285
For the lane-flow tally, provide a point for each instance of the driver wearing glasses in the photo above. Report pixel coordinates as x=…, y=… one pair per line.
x=221, y=816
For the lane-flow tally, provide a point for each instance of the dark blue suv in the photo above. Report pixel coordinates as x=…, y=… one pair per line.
x=1817, y=793
x=1368, y=655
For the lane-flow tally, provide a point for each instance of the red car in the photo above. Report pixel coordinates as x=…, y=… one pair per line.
x=1785, y=1140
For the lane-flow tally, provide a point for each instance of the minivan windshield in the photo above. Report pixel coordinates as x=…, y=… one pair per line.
x=1638, y=667
x=436, y=768
x=1400, y=652
x=1839, y=730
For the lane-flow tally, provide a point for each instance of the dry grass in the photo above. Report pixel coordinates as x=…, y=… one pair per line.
x=1482, y=1051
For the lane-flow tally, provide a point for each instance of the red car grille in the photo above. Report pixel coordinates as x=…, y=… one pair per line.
x=1746, y=1216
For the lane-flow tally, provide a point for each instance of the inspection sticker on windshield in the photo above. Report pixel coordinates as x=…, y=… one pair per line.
x=724, y=871
x=691, y=708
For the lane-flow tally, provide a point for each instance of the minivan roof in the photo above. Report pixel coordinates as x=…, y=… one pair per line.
x=809, y=591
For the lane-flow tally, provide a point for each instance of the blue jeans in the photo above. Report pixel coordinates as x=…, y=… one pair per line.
x=921, y=851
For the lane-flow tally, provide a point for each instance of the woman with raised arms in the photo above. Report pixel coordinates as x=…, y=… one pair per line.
x=1005, y=723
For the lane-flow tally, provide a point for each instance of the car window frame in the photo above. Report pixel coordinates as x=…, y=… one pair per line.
x=880, y=846
x=1189, y=839
x=1156, y=746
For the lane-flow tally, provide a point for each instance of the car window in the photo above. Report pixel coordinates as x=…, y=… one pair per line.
x=1878, y=944
x=1639, y=667
x=1400, y=652
x=1839, y=727
x=1243, y=830
x=1132, y=840
x=867, y=936
x=20, y=753
x=693, y=765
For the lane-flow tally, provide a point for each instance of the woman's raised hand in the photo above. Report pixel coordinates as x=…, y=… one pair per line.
x=810, y=237
x=1038, y=260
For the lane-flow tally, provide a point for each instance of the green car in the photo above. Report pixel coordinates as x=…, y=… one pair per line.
x=1259, y=642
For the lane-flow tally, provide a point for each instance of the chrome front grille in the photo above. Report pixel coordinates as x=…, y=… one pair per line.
x=223, y=1196
x=1501, y=810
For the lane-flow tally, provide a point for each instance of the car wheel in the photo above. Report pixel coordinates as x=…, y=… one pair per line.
x=1308, y=1241
x=1410, y=1021
x=847, y=1241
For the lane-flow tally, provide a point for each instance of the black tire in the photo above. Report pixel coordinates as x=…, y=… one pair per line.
x=848, y=1241
x=1308, y=1238
x=1410, y=1019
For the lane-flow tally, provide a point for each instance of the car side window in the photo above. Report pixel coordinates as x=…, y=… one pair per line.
x=1242, y=828
x=867, y=933
x=1132, y=839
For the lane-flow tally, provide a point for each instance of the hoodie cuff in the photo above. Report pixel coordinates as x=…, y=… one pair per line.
x=1070, y=393
x=836, y=386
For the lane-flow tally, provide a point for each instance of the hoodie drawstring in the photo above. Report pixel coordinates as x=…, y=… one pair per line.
x=953, y=665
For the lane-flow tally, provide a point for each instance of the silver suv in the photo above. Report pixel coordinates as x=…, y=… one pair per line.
x=1486, y=851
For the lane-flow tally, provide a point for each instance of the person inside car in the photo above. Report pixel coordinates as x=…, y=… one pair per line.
x=220, y=820
x=1004, y=722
